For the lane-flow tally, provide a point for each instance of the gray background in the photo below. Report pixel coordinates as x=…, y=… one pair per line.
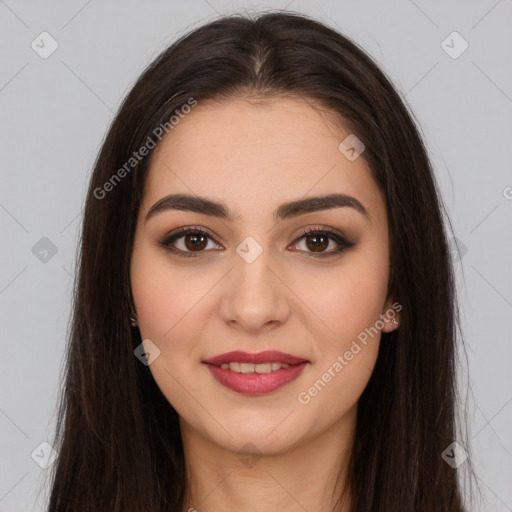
x=54, y=113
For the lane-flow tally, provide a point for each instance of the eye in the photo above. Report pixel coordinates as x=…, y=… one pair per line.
x=195, y=241
x=317, y=240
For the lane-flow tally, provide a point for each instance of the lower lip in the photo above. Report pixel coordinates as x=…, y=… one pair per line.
x=256, y=383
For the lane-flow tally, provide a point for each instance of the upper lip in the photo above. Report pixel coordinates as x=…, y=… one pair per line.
x=268, y=356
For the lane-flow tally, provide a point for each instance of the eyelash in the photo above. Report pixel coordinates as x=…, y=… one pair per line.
x=343, y=243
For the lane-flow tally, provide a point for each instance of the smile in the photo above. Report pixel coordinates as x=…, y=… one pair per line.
x=255, y=374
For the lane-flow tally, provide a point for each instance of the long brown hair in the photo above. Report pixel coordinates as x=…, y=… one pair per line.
x=118, y=439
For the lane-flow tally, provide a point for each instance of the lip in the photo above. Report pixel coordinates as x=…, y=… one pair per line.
x=256, y=383
x=268, y=356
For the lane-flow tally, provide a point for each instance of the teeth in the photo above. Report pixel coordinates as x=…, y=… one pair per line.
x=236, y=367
x=254, y=368
x=247, y=368
x=263, y=368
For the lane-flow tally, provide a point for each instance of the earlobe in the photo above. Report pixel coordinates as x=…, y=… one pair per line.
x=391, y=316
x=391, y=324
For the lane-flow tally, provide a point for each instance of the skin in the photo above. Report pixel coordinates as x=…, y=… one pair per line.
x=253, y=157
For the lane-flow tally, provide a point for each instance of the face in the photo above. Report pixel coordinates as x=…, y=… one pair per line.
x=252, y=281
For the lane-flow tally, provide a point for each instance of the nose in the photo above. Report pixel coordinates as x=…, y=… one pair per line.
x=255, y=298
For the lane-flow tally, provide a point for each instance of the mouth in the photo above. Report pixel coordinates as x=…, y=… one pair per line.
x=255, y=374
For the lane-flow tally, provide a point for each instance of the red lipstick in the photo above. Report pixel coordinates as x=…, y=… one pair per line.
x=255, y=381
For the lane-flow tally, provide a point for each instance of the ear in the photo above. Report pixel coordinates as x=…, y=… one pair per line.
x=391, y=315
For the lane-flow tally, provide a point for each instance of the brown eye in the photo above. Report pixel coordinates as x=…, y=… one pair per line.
x=194, y=242
x=318, y=240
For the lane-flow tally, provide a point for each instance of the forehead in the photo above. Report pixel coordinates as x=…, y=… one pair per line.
x=254, y=155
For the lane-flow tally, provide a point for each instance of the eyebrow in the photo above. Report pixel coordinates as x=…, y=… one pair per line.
x=186, y=202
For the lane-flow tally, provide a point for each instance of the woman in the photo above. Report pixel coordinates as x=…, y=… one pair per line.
x=265, y=313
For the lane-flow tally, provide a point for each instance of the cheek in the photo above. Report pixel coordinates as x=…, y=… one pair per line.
x=347, y=305
x=169, y=307
x=167, y=299
x=347, y=353
x=348, y=300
